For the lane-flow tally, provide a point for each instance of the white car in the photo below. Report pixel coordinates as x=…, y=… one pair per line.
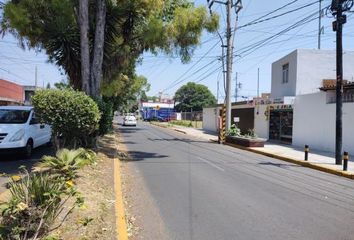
x=20, y=130
x=129, y=121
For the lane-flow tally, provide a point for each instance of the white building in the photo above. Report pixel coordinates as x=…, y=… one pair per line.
x=315, y=120
x=301, y=74
x=299, y=112
x=303, y=71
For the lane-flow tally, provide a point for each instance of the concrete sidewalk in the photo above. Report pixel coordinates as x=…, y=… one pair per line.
x=198, y=133
x=316, y=157
x=319, y=160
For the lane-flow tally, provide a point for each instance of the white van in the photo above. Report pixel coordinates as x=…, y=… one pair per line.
x=20, y=130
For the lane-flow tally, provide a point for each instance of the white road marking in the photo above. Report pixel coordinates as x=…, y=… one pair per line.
x=211, y=164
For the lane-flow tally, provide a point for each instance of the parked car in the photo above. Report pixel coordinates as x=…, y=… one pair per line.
x=20, y=130
x=129, y=121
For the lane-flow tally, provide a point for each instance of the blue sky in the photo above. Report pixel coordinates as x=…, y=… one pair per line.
x=19, y=66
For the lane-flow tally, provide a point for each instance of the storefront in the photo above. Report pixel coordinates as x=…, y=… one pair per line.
x=281, y=123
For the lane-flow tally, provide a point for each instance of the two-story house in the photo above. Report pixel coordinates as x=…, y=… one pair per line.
x=307, y=77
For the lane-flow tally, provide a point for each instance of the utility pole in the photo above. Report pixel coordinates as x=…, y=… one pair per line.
x=337, y=9
x=217, y=93
x=258, y=83
x=236, y=88
x=320, y=28
x=228, y=64
x=229, y=5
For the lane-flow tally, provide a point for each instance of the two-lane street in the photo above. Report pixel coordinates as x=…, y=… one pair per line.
x=207, y=191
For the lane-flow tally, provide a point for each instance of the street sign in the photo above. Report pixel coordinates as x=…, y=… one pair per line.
x=236, y=119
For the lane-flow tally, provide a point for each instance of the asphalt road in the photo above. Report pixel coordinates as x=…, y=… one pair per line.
x=9, y=164
x=207, y=191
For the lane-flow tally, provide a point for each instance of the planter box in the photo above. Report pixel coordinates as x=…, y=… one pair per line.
x=246, y=142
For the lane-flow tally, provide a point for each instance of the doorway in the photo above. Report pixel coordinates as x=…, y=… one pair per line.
x=281, y=125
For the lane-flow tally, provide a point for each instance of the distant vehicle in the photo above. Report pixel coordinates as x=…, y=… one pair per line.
x=161, y=115
x=129, y=121
x=20, y=130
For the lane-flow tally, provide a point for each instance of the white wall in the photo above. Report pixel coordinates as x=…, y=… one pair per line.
x=261, y=124
x=280, y=89
x=307, y=69
x=210, y=116
x=315, y=65
x=314, y=123
x=210, y=119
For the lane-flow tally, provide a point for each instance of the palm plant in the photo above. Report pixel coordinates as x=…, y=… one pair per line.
x=67, y=162
x=36, y=201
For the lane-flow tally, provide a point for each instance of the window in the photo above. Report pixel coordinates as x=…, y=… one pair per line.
x=10, y=116
x=286, y=73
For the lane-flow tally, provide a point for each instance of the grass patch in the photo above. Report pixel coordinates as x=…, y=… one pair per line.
x=187, y=123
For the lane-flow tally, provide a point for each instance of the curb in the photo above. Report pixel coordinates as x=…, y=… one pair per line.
x=174, y=129
x=177, y=130
x=296, y=161
x=158, y=125
x=121, y=224
x=121, y=221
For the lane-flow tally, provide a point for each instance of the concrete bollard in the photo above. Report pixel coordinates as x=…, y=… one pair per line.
x=307, y=149
x=345, y=161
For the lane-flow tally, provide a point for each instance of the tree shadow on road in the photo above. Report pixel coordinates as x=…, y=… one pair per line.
x=140, y=156
x=123, y=130
x=186, y=140
x=9, y=163
x=280, y=165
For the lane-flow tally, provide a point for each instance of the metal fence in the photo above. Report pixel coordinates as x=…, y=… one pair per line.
x=192, y=116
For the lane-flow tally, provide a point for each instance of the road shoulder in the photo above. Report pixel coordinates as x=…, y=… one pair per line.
x=143, y=217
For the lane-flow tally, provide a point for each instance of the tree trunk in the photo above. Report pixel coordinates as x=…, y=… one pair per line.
x=97, y=60
x=84, y=45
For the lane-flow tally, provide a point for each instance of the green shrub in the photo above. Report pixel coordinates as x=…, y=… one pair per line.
x=74, y=116
x=234, y=131
x=106, y=121
x=36, y=201
x=67, y=162
x=251, y=133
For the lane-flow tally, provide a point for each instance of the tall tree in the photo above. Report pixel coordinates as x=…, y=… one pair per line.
x=97, y=58
x=104, y=39
x=84, y=45
x=194, y=97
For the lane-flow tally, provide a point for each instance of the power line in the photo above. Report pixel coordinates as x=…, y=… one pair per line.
x=25, y=67
x=254, y=46
x=277, y=16
x=177, y=81
x=192, y=74
x=208, y=74
x=14, y=74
